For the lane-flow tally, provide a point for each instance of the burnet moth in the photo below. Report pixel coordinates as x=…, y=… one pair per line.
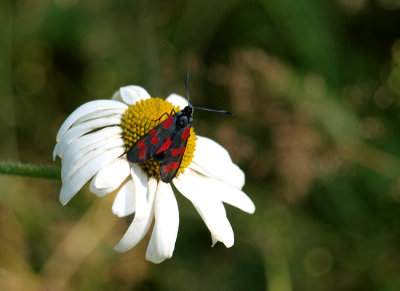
x=167, y=141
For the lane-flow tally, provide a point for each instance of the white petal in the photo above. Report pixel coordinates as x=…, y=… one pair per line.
x=221, y=191
x=131, y=94
x=70, y=166
x=87, y=171
x=213, y=240
x=211, y=210
x=99, y=114
x=177, y=100
x=83, y=142
x=216, y=162
x=140, y=188
x=214, y=216
x=110, y=177
x=74, y=161
x=139, y=228
x=124, y=202
x=162, y=241
x=198, y=169
x=75, y=132
x=85, y=109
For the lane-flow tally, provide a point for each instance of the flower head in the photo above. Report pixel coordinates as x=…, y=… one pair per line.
x=93, y=142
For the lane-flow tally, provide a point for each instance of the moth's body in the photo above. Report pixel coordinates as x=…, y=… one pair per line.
x=165, y=143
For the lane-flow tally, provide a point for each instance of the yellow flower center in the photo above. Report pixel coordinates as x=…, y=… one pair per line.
x=143, y=116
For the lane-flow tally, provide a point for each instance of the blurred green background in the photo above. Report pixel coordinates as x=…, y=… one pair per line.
x=315, y=86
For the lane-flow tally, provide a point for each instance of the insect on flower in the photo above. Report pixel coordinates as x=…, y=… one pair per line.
x=167, y=141
x=138, y=146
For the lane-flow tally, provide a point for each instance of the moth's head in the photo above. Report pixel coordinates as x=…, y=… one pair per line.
x=188, y=110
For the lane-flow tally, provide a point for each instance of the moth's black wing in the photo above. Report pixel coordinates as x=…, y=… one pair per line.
x=172, y=159
x=155, y=143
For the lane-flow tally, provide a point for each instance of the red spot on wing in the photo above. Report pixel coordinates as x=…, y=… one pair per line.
x=182, y=150
x=168, y=122
x=142, y=154
x=166, y=168
x=154, y=140
x=175, y=165
x=165, y=146
x=153, y=132
x=175, y=152
x=141, y=145
x=186, y=133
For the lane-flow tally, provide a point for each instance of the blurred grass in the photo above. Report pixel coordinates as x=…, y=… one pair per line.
x=8, y=139
x=315, y=88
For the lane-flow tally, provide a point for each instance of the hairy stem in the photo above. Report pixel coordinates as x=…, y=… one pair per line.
x=27, y=170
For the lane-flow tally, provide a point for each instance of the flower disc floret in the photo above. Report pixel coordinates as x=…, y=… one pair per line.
x=143, y=116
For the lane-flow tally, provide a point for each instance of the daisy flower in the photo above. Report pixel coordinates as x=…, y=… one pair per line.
x=92, y=144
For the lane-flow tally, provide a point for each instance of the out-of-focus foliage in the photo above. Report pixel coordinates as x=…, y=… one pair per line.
x=315, y=86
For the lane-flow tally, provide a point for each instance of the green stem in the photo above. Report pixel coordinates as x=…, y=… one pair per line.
x=19, y=169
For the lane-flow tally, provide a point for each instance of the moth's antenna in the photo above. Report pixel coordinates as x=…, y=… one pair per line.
x=186, y=83
x=218, y=111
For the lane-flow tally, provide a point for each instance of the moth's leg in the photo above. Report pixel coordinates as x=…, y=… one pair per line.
x=165, y=113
